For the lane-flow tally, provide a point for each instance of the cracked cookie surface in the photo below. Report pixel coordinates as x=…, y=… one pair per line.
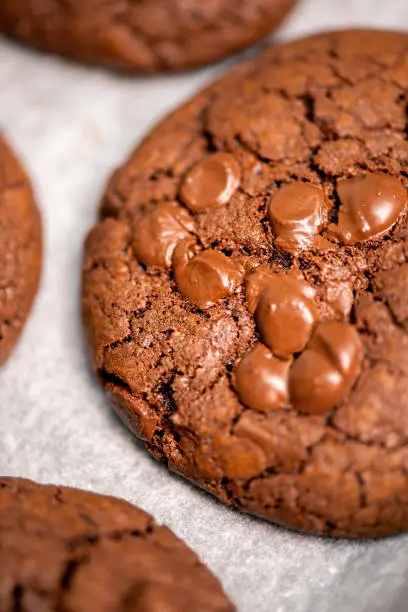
x=72, y=550
x=140, y=35
x=20, y=249
x=280, y=188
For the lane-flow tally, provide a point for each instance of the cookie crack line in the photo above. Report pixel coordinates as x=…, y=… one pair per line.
x=224, y=260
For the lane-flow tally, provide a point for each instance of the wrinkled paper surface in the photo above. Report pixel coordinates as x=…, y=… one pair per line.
x=72, y=125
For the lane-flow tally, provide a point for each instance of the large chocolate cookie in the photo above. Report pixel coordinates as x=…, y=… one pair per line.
x=20, y=249
x=245, y=289
x=142, y=35
x=66, y=549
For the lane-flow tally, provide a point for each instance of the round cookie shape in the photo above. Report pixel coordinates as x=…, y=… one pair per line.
x=143, y=36
x=20, y=249
x=64, y=548
x=267, y=363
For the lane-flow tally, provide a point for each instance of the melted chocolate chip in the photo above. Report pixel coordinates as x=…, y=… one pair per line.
x=297, y=213
x=158, y=232
x=255, y=285
x=370, y=205
x=261, y=380
x=327, y=369
x=211, y=182
x=257, y=281
x=205, y=278
x=285, y=314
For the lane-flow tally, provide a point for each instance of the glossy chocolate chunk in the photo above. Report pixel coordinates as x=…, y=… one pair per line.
x=261, y=380
x=205, y=278
x=286, y=314
x=298, y=213
x=256, y=284
x=158, y=231
x=327, y=369
x=211, y=182
x=370, y=205
x=261, y=278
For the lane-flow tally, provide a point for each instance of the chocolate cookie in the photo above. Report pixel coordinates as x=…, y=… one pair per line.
x=142, y=35
x=66, y=549
x=20, y=249
x=245, y=288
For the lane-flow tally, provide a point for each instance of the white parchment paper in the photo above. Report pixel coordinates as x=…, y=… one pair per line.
x=72, y=125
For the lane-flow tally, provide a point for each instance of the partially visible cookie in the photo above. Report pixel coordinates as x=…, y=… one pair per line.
x=245, y=288
x=142, y=36
x=20, y=249
x=67, y=549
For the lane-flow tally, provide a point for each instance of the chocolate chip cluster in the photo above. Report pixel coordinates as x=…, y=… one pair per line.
x=276, y=373
x=370, y=205
x=299, y=361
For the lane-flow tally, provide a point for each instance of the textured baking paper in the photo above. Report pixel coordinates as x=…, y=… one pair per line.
x=72, y=125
